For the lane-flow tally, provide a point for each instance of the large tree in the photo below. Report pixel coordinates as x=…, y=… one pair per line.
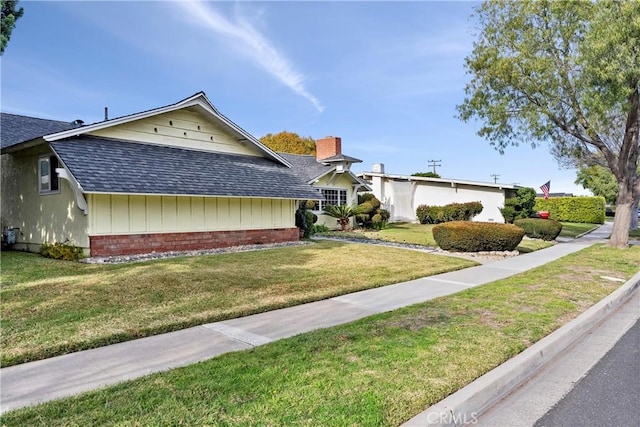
x=566, y=72
x=8, y=17
x=600, y=181
x=289, y=142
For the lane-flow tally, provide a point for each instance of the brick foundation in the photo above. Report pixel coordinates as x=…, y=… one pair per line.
x=129, y=244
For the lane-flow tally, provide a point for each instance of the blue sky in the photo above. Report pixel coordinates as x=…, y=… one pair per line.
x=384, y=76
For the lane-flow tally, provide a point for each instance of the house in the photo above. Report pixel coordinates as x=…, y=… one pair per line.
x=330, y=172
x=402, y=194
x=178, y=177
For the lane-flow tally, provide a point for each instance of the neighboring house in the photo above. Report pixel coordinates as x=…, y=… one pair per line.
x=330, y=171
x=178, y=177
x=402, y=194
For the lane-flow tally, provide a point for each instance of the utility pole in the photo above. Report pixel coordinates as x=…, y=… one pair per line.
x=434, y=164
x=495, y=177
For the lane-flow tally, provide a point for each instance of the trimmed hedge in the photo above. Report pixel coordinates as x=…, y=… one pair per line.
x=451, y=212
x=467, y=236
x=573, y=209
x=545, y=229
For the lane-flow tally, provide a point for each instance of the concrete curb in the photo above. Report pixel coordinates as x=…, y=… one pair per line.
x=467, y=404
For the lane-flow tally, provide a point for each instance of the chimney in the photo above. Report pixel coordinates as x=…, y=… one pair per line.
x=328, y=146
x=377, y=168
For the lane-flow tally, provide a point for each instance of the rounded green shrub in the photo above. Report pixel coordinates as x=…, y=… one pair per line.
x=366, y=207
x=467, y=236
x=545, y=229
x=452, y=212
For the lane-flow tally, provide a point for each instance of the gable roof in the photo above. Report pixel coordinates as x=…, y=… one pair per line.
x=104, y=165
x=15, y=128
x=199, y=100
x=308, y=168
x=341, y=158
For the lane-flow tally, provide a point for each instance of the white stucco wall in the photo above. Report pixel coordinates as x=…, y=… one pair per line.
x=40, y=217
x=402, y=197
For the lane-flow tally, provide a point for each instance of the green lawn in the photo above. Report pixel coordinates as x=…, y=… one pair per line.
x=381, y=370
x=635, y=233
x=421, y=234
x=55, y=307
x=574, y=229
x=404, y=232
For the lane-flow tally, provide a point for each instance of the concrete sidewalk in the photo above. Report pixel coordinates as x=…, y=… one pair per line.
x=57, y=377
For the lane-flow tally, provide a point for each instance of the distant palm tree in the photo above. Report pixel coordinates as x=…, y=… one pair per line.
x=342, y=214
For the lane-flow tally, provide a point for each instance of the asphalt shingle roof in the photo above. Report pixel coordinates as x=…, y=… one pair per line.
x=117, y=166
x=306, y=166
x=15, y=129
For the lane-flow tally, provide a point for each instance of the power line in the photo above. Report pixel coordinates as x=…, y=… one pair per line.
x=434, y=164
x=495, y=177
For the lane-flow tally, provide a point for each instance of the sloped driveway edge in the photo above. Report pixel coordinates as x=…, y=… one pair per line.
x=466, y=405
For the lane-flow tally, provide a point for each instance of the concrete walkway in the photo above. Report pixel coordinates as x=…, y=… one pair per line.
x=57, y=377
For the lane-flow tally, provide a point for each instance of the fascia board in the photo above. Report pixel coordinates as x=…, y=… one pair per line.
x=439, y=180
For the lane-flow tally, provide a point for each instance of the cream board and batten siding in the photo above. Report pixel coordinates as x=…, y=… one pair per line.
x=403, y=197
x=41, y=218
x=337, y=182
x=112, y=214
x=181, y=128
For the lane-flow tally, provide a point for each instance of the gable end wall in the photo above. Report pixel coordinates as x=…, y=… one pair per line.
x=182, y=128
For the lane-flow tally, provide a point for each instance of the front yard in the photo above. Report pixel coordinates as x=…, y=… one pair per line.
x=421, y=234
x=574, y=229
x=381, y=370
x=55, y=307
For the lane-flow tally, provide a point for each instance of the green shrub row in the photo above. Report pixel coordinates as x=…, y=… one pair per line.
x=573, y=209
x=452, y=212
x=545, y=229
x=468, y=236
x=62, y=251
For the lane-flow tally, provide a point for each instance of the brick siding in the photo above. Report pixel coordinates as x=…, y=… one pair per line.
x=129, y=244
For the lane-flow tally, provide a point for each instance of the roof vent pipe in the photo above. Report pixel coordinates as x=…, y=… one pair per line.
x=106, y=113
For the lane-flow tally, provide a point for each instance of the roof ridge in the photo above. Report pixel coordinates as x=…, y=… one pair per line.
x=34, y=117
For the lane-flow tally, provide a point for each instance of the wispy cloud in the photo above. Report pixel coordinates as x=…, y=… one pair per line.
x=252, y=43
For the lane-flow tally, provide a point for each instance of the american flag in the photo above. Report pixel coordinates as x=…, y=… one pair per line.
x=545, y=189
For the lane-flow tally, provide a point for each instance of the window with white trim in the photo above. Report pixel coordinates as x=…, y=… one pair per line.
x=331, y=196
x=48, y=181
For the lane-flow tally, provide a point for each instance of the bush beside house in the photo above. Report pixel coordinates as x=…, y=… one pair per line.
x=521, y=205
x=535, y=228
x=467, y=236
x=573, y=209
x=370, y=214
x=452, y=212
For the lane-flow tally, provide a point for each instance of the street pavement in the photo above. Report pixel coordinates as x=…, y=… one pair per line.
x=609, y=395
x=57, y=377
x=529, y=403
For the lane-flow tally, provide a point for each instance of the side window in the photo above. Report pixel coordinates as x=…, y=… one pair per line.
x=48, y=181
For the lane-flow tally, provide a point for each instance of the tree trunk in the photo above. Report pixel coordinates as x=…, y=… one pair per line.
x=622, y=220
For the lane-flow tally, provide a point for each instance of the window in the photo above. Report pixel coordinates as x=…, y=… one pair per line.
x=331, y=197
x=47, y=177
